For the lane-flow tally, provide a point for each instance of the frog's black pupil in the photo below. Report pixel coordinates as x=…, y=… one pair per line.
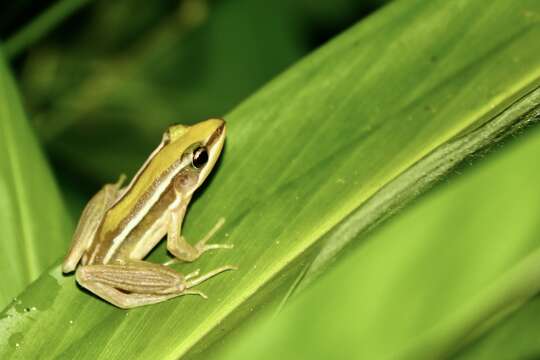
x=200, y=157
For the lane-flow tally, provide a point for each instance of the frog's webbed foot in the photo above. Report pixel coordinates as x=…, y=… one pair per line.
x=139, y=283
x=182, y=250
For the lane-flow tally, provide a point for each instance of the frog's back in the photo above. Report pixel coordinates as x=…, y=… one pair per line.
x=136, y=209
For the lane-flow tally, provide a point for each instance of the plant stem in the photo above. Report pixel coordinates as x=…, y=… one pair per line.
x=40, y=26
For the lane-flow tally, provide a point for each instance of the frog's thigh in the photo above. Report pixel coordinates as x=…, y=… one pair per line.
x=131, y=285
x=123, y=300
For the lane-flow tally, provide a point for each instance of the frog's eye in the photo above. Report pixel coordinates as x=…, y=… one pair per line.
x=200, y=157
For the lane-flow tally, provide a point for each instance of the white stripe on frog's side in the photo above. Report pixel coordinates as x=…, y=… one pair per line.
x=154, y=234
x=143, y=206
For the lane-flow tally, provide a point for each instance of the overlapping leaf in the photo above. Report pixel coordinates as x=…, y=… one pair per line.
x=34, y=227
x=432, y=280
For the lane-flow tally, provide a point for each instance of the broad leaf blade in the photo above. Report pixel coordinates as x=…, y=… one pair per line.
x=303, y=154
x=430, y=281
x=34, y=227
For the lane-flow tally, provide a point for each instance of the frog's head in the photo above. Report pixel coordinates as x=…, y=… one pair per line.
x=200, y=146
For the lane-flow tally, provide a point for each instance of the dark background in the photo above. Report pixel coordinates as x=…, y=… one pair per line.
x=103, y=84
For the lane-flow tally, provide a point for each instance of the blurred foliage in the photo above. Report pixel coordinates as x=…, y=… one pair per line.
x=110, y=76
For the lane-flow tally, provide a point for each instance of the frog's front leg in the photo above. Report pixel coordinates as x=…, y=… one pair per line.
x=139, y=283
x=177, y=244
x=89, y=222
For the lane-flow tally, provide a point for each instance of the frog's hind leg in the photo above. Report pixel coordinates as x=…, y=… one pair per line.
x=89, y=222
x=139, y=283
x=121, y=299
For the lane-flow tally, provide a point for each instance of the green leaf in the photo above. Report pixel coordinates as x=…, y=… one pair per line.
x=312, y=161
x=516, y=337
x=430, y=281
x=34, y=227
